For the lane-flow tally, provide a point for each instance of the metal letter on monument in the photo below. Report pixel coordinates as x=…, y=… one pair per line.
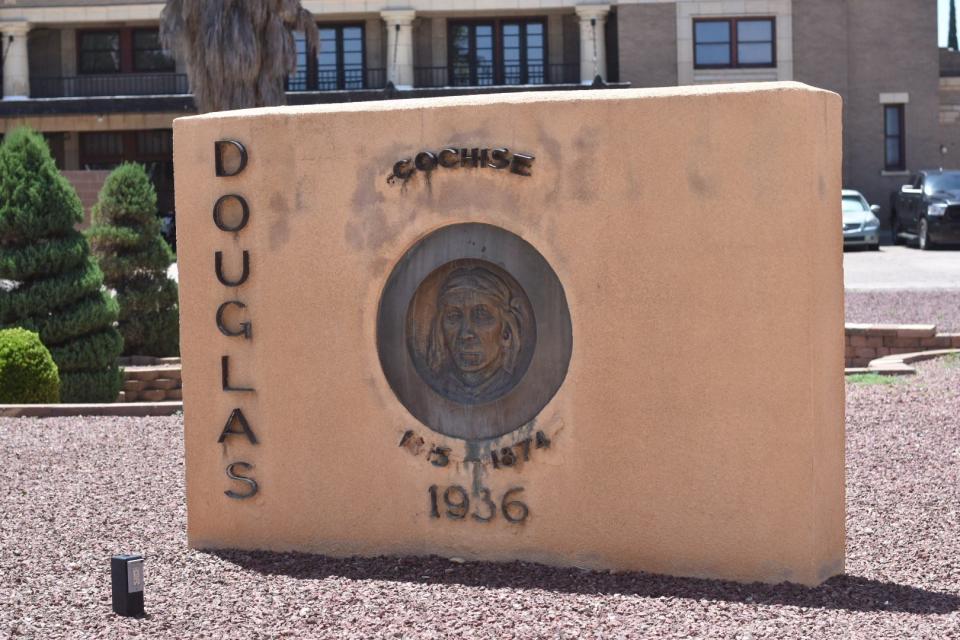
x=236, y=416
x=245, y=327
x=244, y=274
x=225, y=376
x=218, y=148
x=254, y=487
x=218, y=212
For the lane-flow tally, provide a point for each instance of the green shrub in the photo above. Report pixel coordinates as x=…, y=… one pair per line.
x=134, y=258
x=28, y=375
x=53, y=285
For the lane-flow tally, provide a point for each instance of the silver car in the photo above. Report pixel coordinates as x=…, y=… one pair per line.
x=861, y=227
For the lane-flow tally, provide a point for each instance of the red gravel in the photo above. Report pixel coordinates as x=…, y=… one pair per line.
x=941, y=307
x=74, y=491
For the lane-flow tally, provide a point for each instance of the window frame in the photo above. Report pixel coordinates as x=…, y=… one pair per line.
x=735, y=42
x=901, y=138
x=499, y=70
x=524, y=49
x=133, y=51
x=125, y=49
x=341, y=68
x=313, y=64
x=472, y=68
x=159, y=165
x=80, y=51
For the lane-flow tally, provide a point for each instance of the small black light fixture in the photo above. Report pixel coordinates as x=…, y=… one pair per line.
x=126, y=577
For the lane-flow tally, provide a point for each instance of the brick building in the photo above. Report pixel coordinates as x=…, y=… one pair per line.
x=90, y=73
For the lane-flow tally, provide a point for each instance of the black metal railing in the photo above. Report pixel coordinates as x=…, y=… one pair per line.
x=564, y=73
x=114, y=84
x=431, y=76
x=484, y=76
x=337, y=80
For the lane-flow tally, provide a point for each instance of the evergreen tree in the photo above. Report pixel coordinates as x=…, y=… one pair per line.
x=134, y=257
x=52, y=282
x=952, y=29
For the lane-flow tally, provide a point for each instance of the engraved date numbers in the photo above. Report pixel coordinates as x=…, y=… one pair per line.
x=454, y=502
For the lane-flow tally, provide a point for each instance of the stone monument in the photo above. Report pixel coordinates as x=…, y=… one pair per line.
x=600, y=329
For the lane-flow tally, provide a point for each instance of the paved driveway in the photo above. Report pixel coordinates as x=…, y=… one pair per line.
x=901, y=268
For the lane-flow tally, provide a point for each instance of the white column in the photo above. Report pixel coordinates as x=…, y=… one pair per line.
x=399, y=46
x=593, y=45
x=16, y=67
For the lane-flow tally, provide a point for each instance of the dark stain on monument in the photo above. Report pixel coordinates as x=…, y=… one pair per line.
x=699, y=184
x=586, y=146
x=279, y=230
x=369, y=226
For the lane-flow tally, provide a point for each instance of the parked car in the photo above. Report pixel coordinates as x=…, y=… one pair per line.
x=861, y=227
x=928, y=209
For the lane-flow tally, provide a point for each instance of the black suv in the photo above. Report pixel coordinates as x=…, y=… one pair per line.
x=928, y=209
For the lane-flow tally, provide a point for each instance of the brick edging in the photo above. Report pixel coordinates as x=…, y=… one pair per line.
x=136, y=409
x=865, y=343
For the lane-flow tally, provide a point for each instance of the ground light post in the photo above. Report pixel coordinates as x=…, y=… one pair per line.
x=126, y=579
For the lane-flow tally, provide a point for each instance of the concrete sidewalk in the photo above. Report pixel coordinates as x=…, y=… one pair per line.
x=901, y=268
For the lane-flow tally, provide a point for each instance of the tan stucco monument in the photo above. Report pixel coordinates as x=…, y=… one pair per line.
x=600, y=329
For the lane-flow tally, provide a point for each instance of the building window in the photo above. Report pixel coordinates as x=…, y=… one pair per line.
x=471, y=54
x=731, y=43
x=340, y=59
x=101, y=150
x=99, y=52
x=524, y=52
x=122, y=51
x=153, y=148
x=894, y=138
x=498, y=52
x=340, y=63
x=148, y=54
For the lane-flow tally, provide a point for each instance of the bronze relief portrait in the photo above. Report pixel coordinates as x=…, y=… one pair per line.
x=473, y=331
x=470, y=331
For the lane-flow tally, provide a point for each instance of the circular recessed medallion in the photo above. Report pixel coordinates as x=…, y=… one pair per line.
x=473, y=331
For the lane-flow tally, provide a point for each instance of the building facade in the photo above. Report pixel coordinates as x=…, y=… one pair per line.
x=90, y=74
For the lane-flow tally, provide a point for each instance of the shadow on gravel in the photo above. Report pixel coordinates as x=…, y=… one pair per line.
x=842, y=592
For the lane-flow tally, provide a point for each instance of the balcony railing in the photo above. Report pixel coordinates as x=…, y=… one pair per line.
x=115, y=84
x=485, y=76
x=338, y=79
x=355, y=84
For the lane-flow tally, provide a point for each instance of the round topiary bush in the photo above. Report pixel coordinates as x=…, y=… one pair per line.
x=28, y=374
x=134, y=257
x=49, y=281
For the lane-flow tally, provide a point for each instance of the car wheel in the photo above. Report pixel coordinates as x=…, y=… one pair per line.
x=874, y=247
x=923, y=236
x=896, y=228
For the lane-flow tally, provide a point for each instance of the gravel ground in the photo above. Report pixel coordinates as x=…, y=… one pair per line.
x=74, y=491
x=941, y=308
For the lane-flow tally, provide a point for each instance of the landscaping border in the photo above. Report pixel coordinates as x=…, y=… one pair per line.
x=899, y=364
x=135, y=409
x=868, y=342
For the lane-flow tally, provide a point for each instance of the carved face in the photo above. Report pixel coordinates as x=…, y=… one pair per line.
x=474, y=331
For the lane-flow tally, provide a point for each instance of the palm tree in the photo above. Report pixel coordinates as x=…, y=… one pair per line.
x=238, y=52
